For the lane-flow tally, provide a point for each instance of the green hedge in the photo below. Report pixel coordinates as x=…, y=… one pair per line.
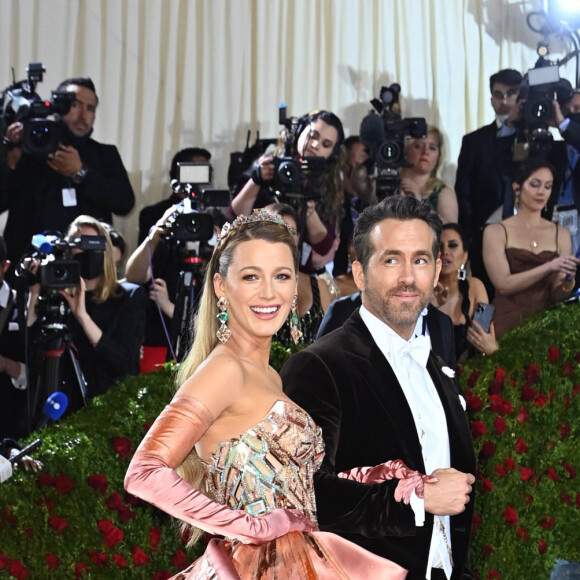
x=524, y=403
x=75, y=520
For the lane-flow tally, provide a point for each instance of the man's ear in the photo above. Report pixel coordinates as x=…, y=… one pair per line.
x=358, y=275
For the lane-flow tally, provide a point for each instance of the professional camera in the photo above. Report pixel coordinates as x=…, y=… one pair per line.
x=189, y=223
x=289, y=167
x=383, y=133
x=20, y=102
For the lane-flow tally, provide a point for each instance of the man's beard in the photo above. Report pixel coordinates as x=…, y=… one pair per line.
x=399, y=314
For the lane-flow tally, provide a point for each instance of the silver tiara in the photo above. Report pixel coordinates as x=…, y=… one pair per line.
x=258, y=215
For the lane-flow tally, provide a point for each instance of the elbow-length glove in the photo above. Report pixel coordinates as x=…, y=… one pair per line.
x=409, y=479
x=152, y=477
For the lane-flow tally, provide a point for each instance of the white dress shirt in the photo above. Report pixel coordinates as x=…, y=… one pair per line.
x=430, y=423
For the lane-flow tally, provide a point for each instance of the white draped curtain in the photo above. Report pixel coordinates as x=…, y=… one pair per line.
x=177, y=73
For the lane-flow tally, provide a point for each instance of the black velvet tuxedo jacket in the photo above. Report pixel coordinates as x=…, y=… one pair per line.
x=346, y=384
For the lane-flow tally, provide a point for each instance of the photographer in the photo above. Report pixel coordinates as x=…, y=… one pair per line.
x=12, y=370
x=318, y=134
x=82, y=177
x=106, y=318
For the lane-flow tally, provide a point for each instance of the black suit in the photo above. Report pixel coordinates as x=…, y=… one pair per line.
x=440, y=326
x=346, y=384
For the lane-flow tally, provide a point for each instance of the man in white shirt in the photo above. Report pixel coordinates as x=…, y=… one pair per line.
x=380, y=394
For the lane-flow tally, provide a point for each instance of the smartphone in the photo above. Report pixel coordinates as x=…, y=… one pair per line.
x=483, y=315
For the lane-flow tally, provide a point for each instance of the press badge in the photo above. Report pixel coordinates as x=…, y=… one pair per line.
x=569, y=219
x=69, y=196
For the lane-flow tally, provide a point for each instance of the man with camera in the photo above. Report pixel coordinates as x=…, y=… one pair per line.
x=81, y=176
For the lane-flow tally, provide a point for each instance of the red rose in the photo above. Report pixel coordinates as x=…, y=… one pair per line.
x=499, y=425
x=541, y=400
x=80, y=569
x=474, y=403
x=98, y=558
x=529, y=499
x=488, y=550
x=527, y=473
x=105, y=526
x=509, y=463
x=566, y=402
x=521, y=446
x=8, y=515
x=133, y=500
x=478, y=429
x=493, y=575
x=44, y=479
x=551, y=472
x=500, y=470
x=566, y=498
x=542, y=546
x=487, y=449
x=510, y=516
x=532, y=373
x=18, y=570
x=58, y=524
x=113, y=537
x=459, y=368
x=568, y=370
x=98, y=482
x=476, y=522
x=553, y=354
x=154, y=538
x=179, y=559
x=123, y=447
x=114, y=501
x=486, y=485
x=527, y=393
x=4, y=561
x=119, y=560
x=474, y=375
x=125, y=514
x=52, y=561
x=576, y=390
x=162, y=575
x=523, y=415
x=46, y=502
x=63, y=484
x=571, y=471
x=564, y=430
x=547, y=522
x=139, y=557
x=523, y=533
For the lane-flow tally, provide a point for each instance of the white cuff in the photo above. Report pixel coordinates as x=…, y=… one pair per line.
x=5, y=469
x=418, y=507
x=20, y=381
x=564, y=125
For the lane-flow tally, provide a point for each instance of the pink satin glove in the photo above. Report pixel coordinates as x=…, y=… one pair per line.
x=152, y=477
x=395, y=469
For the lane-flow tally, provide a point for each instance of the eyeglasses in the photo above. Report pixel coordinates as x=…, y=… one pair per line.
x=507, y=95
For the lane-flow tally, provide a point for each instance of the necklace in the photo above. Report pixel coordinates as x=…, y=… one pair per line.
x=534, y=244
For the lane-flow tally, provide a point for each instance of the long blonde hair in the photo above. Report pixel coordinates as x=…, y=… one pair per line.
x=271, y=229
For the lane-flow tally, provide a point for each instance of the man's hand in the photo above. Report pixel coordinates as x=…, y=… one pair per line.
x=449, y=495
x=65, y=160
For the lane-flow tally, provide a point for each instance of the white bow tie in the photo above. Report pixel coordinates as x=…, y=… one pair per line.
x=418, y=349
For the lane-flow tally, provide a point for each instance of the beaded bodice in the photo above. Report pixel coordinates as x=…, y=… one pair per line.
x=269, y=466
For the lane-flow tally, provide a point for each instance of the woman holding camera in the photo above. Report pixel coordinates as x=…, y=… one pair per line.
x=420, y=179
x=528, y=258
x=108, y=317
x=457, y=295
x=318, y=134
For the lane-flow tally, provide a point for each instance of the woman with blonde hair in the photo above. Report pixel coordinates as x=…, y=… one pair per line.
x=420, y=179
x=106, y=317
x=231, y=454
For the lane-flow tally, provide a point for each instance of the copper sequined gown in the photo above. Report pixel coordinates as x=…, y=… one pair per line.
x=271, y=466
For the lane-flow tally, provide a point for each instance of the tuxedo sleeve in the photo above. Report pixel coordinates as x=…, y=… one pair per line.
x=343, y=506
x=571, y=134
x=463, y=182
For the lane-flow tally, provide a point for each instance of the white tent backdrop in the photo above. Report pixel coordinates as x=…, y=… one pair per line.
x=177, y=73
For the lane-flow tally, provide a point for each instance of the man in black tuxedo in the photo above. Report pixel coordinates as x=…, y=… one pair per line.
x=483, y=167
x=435, y=323
x=379, y=394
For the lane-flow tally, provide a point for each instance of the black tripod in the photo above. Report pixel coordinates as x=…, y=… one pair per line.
x=60, y=369
x=189, y=283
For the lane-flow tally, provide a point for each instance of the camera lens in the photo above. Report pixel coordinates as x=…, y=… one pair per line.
x=39, y=136
x=289, y=173
x=390, y=151
x=59, y=272
x=541, y=110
